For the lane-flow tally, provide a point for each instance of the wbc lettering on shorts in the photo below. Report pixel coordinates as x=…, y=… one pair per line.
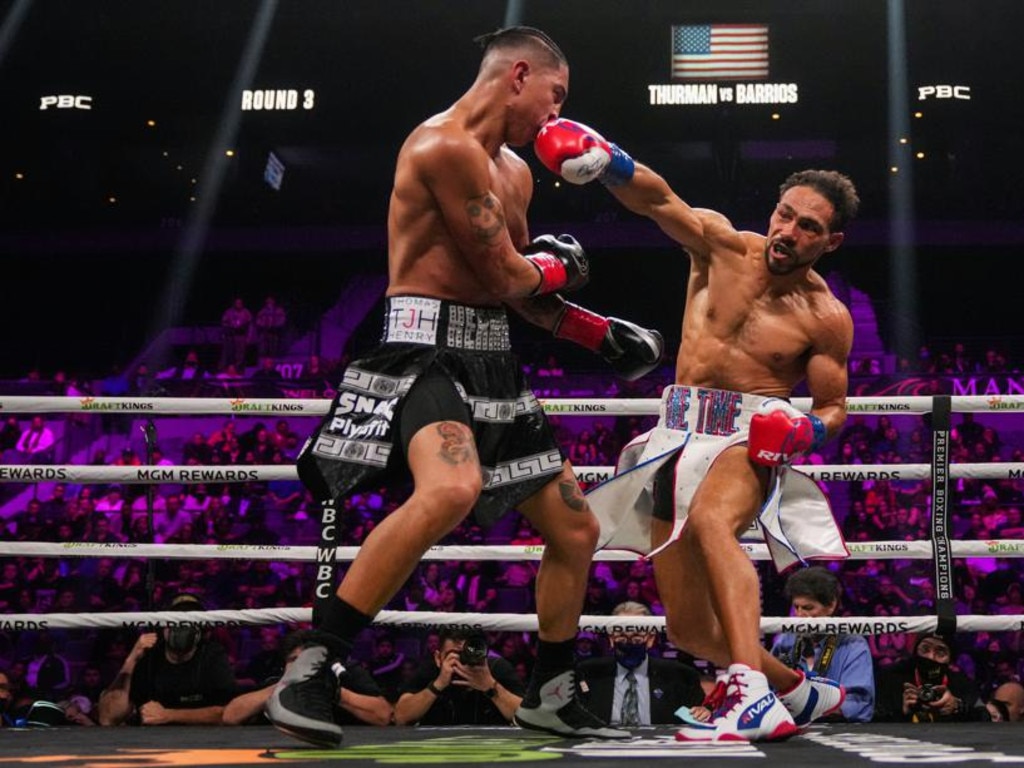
x=717, y=412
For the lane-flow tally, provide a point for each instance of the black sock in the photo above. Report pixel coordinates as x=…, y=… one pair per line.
x=342, y=620
x=553, y=658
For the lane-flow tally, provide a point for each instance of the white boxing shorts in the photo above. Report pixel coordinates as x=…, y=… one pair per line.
x=695, y=425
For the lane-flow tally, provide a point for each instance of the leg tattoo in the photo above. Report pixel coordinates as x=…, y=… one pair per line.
x=457, y=447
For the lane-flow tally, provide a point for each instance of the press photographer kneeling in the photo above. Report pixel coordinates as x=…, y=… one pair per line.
x=462, y=685
x=925, y=688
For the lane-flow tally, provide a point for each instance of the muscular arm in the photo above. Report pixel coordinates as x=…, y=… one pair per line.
x=154, y=713
x=457, y=172
x=410, y=707
x=373, y=710
x=827, y=378
x=696, y=229
x=246, y=706
x=115, y=704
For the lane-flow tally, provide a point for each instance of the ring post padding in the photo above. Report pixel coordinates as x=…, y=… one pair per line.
x=945, y=599
x=326, y=558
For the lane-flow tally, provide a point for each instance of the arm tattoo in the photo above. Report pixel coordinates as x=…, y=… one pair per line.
x=486, y=217
x=457, y=446
x=572, y=495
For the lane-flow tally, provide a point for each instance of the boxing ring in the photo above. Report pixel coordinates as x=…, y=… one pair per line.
x=980, y=743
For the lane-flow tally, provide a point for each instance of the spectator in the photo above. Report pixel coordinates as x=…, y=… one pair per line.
x=47, y=672
x=270, y=322
x=925, y=688
x=18, y=710
x=360, y=700
x=815, y=592
x=197, y=450
x=189, y=370
x=168, y=521
x=461, y=685
x=267, y=665
x=1011, y=694
x=267, y=379
x=89, y=686
x=171, y=677
x=36, y=443
x=143, y=382
x=635, y=686
x=235, y=323
x=386, y=666
x=10, y=433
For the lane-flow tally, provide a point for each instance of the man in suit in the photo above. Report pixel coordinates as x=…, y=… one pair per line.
x=662, y=685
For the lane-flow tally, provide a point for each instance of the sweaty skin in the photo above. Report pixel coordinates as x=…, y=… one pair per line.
x=456, y=227
x=758, y=319
x=457, y=217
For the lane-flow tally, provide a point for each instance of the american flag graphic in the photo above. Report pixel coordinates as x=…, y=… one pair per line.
x=720, y=52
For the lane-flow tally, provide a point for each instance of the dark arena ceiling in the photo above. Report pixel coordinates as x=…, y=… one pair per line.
x=118, y=117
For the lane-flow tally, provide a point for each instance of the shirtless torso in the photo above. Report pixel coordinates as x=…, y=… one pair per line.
x=458, y=214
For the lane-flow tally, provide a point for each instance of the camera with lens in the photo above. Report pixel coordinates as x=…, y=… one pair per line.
x=474, y=651
x=927, y=694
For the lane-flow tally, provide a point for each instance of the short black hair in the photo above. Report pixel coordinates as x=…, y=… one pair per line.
x=835, y=187
x=519, y=36
x=815, y=582
x=301, y=638
x=458, y=634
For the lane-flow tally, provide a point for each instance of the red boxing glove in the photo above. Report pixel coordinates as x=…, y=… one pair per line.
x=778, y=432
x=580, y=154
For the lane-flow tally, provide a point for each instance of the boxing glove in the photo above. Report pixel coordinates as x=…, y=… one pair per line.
x=779, y=432
x=631, y=351
x=561, y=262
x=580, y=154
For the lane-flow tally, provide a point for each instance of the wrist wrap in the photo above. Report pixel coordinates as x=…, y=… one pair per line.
x=586, y=328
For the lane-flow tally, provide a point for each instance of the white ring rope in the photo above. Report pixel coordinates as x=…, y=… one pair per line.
x=247, y=473
x=243, y=406
x=873, y=550
x=150, y=406
x=496, y=622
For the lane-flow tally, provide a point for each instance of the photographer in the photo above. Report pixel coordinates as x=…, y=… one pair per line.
x=815, y=592
x=463, y=685
x=925, y=689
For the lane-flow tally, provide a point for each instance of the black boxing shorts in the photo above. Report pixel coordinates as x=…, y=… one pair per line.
x=438, y=361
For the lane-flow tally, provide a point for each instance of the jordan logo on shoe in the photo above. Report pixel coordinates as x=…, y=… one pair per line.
x=558, y=693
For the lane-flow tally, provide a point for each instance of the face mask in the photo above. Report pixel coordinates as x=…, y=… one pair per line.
x=931, y=672
x=182, y=639
x=630, y=655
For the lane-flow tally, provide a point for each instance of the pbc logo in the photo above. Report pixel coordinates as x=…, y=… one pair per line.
x=65, y=101
x=944, y=92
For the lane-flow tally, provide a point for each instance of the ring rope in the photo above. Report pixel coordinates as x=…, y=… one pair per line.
x=500, y=622
x=867, y=550
x=246, y=473
x=496, y=622
x=638, y=406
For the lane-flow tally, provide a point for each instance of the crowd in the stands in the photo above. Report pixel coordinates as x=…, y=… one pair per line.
x=60, y=664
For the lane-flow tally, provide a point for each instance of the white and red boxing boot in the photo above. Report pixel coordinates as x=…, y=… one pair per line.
x=813, y=698
x=750, y=712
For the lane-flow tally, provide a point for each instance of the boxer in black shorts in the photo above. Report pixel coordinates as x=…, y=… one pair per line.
x=470, y=434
